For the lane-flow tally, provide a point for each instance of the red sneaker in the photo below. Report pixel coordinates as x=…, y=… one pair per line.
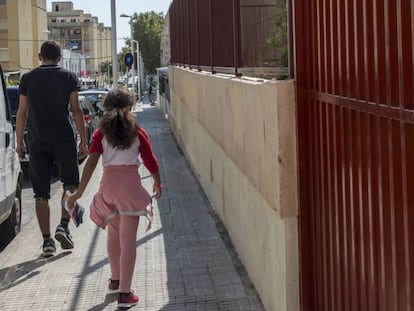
x=127, y=300
x=113, y=286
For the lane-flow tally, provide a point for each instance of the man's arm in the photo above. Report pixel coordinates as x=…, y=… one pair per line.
x=21, y=119
x=79, y=121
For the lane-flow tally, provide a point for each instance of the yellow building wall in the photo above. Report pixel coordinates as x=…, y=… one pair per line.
x=39, y=13
x=21, y=22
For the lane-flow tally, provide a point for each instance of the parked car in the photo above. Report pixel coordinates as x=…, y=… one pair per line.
x=90, y=116
x=96, y=97
x=13, y=98
x=10, y=172
x=13, y=94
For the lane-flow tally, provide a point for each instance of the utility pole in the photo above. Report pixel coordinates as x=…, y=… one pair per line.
x=137, y=64
x=114, y=49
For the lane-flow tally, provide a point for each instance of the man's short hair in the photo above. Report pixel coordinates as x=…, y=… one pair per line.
x=50, y=50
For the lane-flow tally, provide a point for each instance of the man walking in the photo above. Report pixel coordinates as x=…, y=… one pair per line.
x=45, y=93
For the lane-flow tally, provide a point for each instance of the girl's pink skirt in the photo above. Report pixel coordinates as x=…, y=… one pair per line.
x=120, y=192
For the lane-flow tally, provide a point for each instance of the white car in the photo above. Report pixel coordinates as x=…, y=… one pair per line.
x=90, y=116
x=10, y=172
x=96, y=97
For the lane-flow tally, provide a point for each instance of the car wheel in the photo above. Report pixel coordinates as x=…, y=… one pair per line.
x=11, y=227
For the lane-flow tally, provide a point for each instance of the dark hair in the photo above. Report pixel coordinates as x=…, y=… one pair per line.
x=50, y=50
x=118, y=124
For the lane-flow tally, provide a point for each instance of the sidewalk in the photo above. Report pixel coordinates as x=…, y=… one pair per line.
x=183, y=262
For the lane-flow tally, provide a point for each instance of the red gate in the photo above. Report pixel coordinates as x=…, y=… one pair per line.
x=354, y=71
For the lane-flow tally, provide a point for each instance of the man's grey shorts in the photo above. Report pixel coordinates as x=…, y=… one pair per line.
x=43, y=157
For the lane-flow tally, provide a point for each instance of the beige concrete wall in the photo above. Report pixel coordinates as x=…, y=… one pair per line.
x=240, y=139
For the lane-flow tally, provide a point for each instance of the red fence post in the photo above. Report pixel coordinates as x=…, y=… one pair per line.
x=236, y=33
x=197, y=36
x=211, y=37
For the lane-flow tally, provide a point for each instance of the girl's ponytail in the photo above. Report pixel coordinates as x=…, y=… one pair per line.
x=118, y=123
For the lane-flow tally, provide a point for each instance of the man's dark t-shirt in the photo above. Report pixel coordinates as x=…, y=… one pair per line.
x=48, y=88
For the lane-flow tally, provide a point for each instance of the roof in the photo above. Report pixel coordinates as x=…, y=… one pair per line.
x=86, y=92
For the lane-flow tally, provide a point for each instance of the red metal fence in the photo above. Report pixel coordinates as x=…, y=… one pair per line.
x=223, y=35
x=354, y=71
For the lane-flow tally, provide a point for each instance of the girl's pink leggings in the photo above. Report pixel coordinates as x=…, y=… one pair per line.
x=122, y=247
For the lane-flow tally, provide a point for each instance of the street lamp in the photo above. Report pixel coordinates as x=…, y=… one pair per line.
x=109, y=73
x=132, y=50
x=138, y=61
x=113, y=44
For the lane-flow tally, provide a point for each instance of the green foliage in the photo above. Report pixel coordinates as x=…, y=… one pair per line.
x=105, y=66
x=147, y=31
x=279, y=40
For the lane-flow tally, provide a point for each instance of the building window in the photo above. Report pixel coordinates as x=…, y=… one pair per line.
x=53, y=20
x=73, y=20
x=86, y=20
x=57, y=8
x=62, y=20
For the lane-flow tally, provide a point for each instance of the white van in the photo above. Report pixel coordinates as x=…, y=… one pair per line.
x=10, y=172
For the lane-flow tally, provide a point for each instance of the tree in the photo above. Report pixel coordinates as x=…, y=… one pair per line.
x=279, y=39
x=147, y=28
x=105, y=67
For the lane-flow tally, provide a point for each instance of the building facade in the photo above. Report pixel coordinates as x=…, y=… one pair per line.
x=80, y=33
x=23, y=26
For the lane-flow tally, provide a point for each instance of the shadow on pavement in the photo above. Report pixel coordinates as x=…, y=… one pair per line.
x=87, y=269
x=109, y=298
x=22, y=272
x=189, y=263
x=203, y=270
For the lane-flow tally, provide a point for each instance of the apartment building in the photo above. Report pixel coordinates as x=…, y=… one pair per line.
x=80, y=33
x=23, y=26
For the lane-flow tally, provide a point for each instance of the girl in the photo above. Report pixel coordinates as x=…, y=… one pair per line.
x=121, y=199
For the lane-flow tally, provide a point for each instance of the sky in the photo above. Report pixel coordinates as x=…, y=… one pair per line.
x=102, y=10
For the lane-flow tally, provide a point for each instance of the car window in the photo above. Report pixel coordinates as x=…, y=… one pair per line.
x=90, y=107
x=87, y=104
x=92, y=98
x=96, y=99
x=13, y=94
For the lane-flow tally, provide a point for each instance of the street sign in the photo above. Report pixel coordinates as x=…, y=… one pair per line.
x=129, y=60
